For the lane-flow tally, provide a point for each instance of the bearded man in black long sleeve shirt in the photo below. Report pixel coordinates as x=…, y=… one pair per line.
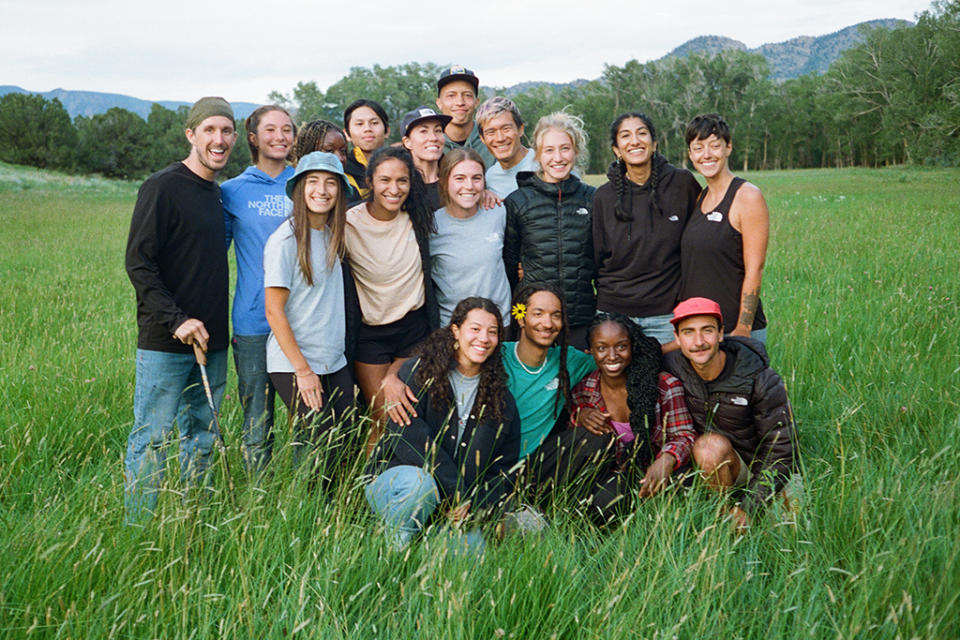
x=177, y=261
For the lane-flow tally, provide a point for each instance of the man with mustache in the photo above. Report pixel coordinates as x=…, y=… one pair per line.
x=177, y=262
x=739, y=406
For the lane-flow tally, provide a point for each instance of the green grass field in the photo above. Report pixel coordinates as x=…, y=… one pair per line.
x=861, y=285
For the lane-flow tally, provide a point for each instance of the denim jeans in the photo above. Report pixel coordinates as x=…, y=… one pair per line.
x=257, y=399
x=405, y=497
x=658, y=327
x=169, y=390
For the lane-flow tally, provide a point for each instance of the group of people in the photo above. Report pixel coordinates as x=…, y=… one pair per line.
x=402, y=271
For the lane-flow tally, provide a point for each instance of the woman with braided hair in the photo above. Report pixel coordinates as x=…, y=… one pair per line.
x=323, y=135
x=629, y=395
x=638, y=220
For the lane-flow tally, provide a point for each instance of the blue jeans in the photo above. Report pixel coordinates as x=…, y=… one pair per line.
x=658, y=327
x=257, y=399
x=405, y=497
x=169, y=390
x=760, y=334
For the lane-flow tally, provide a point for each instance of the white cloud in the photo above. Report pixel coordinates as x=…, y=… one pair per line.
x=178, y=50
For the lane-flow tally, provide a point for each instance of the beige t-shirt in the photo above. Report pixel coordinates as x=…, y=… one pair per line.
x=385, y=260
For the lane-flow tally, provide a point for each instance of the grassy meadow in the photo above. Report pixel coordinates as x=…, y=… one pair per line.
x=861, y=286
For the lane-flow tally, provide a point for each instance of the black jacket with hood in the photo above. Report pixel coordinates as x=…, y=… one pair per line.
x=638, y=259
x=748, y=404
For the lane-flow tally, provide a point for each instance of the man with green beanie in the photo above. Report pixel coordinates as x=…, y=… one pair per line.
x=177, y=261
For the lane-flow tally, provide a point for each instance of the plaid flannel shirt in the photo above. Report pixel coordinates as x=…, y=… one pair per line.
x=673, y=430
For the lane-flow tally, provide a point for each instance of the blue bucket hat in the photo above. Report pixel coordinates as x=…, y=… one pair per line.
x=319, y=161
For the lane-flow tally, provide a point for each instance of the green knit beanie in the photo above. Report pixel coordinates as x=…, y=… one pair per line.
x=206, y=107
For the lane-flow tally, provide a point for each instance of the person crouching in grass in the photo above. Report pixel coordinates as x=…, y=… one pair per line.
x=630, y=396
x=457, y=453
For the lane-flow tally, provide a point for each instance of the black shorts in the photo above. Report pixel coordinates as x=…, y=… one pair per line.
x=384, y=343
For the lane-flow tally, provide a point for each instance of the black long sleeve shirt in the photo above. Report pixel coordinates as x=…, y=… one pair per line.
x=177, y=259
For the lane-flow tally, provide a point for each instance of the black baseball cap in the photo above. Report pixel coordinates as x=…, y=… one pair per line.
x=457, y=72
x=418, y=115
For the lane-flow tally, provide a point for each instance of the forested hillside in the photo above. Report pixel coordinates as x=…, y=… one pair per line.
x=892, y=99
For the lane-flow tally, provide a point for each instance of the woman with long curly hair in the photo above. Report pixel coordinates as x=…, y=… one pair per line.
x=304, y=300
x=387, y=244
x=459, y=450
x=541, y=368
x=638, y=219
x=630, y=396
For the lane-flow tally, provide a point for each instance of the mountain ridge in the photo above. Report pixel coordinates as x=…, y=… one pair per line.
x=788, y=59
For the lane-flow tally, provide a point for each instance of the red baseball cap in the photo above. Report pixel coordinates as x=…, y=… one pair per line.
x=696, y=307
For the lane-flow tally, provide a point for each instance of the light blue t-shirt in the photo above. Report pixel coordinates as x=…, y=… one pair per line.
x=315, y=313
x=502, y=181
x=535, y=390
x=466, y=259
x=254, y=205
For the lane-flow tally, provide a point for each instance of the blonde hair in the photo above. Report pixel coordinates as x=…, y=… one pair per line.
x=568, y=124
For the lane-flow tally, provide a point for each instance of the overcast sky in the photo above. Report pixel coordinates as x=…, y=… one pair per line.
x=242, y=50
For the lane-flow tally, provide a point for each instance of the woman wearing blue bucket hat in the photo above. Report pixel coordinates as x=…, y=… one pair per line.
x=304, y=294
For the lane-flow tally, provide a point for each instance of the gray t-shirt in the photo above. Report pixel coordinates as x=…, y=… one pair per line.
x=466, y=259
x=502, y=181
x=464, y=394
x=316, y=312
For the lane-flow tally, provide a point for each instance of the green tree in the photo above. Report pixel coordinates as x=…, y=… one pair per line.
x=165, y=131
x=398, y=88
x=37, y=132
x=115, y=144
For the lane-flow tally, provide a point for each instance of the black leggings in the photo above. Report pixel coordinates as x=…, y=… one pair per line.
x=583, y=465
x=314, y=429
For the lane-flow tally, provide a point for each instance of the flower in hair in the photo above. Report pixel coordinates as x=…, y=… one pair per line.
x=519, y=311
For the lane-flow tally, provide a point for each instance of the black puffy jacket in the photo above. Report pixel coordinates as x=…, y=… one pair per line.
x=550, y=232
x=748, y=404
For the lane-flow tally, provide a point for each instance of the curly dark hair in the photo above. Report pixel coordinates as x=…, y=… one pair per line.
x=522, y=296
x=438, y=357
x=618, y=170
x=311, y=136
x=417, y=204
x=643, y=373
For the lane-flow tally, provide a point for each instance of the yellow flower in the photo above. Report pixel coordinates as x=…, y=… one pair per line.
x=519, y=311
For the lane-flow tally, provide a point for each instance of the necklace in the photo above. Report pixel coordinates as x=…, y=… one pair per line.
x=532, y=372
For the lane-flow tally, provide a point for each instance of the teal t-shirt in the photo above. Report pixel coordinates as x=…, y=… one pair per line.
x=535, y=390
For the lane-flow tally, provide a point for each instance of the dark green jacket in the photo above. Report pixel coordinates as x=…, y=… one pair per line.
x=473, y=141
x=550, y=232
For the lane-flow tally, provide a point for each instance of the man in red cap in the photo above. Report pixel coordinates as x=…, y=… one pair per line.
x=739, y=406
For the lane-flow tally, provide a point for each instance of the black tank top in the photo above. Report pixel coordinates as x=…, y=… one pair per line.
x=711, y=259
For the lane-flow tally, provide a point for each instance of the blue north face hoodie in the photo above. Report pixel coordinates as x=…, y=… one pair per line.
x=254, y=205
